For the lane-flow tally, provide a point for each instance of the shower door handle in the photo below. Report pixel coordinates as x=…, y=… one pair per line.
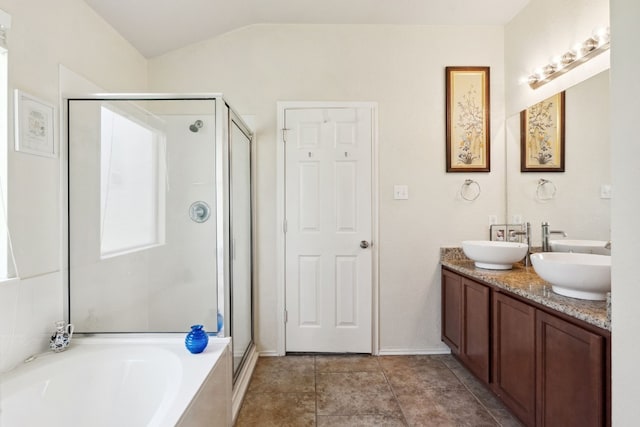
x=364, y=244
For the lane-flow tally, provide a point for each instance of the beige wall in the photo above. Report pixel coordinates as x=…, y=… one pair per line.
x=400, y=68
x=625, y=61
x=45, y=34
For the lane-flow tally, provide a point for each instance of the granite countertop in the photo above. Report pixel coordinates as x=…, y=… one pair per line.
x=524, y=281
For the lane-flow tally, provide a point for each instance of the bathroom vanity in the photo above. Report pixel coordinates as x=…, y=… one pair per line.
x=546, y=356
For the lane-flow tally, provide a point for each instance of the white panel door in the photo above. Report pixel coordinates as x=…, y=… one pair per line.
x=328, y=229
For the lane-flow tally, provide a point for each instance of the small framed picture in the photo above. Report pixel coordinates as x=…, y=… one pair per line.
x=542, y=136
x=467, y=111
x=34, y=128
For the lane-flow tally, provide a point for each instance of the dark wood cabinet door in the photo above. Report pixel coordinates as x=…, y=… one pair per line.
x=570, y=364
x=475, y=349
x=514, y=367
x=451, y=310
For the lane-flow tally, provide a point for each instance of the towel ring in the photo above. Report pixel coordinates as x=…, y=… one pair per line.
x=465, y=188
x=546, y=190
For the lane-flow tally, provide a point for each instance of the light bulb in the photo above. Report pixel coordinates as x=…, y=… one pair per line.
x=601, y=35
x=568, y=58
x=588, y=45
x=556, y=62
x=576, y=49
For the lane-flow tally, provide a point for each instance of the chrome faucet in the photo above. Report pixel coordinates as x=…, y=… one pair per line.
x=546, y=247
x=527, y=236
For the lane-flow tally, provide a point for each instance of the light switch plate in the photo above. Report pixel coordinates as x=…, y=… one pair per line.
x=605, y=191
x=401, y=192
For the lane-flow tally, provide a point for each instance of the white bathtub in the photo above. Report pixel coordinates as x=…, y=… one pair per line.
x=121, y=380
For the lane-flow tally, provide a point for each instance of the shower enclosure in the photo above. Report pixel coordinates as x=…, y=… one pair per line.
x=159, y=204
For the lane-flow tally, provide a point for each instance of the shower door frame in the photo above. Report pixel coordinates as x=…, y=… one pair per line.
x=223, y=113
x=221, y=271
x=233, y=117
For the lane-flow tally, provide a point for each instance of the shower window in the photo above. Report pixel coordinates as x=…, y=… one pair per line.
x=132, y=185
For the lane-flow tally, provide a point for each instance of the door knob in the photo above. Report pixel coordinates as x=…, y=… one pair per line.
x=364, y=244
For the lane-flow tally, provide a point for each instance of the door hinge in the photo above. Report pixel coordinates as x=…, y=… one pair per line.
x=284, y=226
x=284, y=134
x=286, y=316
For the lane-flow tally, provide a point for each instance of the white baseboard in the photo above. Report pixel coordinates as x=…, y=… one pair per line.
x=386, y=351
x=242, y=383
x=413, y=351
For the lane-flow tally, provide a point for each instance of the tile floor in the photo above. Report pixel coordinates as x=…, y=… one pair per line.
x=355, y=390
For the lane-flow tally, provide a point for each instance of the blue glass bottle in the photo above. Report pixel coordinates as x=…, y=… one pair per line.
x=196, y=340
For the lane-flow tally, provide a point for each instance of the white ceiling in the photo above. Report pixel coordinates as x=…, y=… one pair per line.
x=158, y=26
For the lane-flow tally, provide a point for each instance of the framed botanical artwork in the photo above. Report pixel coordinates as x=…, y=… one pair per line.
x=34, y=125
x=467, y=110
x=542, y=136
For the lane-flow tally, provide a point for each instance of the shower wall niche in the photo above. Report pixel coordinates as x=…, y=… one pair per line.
x=159, y=191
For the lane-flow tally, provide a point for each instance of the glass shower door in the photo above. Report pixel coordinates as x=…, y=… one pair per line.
x=241, y=249
x=142, y=228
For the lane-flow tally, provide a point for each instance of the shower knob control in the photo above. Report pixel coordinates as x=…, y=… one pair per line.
x=364, y=244
x=199, y=211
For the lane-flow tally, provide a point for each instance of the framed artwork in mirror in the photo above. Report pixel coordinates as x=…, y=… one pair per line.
x=542, y=136
x=467, y=111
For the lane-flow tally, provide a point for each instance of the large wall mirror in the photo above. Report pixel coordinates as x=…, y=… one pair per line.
x=574, y=201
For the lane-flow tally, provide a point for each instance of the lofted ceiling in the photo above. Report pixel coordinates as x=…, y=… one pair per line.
x=158, y=26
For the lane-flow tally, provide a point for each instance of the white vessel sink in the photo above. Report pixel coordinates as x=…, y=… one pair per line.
x=580, y=246
x=494, y=255
x=584, y=276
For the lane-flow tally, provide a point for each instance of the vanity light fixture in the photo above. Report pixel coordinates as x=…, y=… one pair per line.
x=578, y=54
